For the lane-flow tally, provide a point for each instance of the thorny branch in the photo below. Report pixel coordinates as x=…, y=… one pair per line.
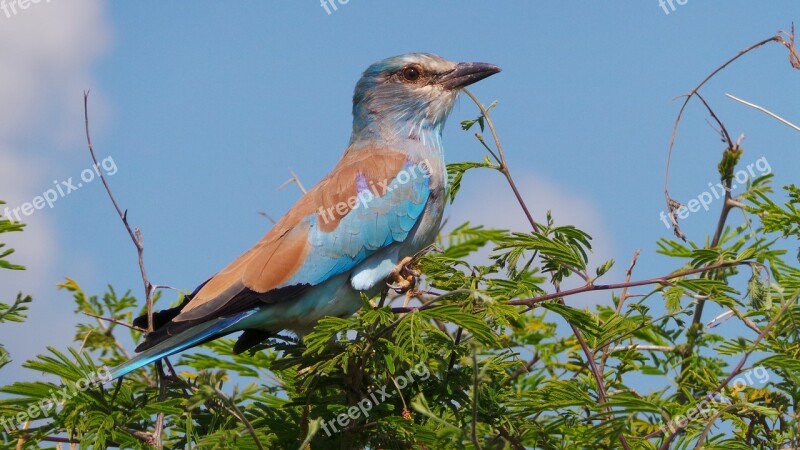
x=503, y=168
x=136, y=237
x=736, y=370
x=665, y=280
x=135, y=233
x=732, y=152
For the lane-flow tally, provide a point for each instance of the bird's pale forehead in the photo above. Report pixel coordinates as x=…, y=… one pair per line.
x=432, y=62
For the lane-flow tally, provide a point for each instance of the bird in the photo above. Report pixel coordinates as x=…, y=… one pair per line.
x=381, y=204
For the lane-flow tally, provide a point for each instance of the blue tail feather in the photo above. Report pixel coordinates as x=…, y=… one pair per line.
x=189, y=338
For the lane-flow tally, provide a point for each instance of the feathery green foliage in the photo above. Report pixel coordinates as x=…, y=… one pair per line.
x=486, y=353
x=15, y=312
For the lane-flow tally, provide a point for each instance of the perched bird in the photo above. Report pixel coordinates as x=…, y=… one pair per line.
x=382, y=203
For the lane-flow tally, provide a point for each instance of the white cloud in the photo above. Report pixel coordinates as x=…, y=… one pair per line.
x=486, y=199
x=47, y=56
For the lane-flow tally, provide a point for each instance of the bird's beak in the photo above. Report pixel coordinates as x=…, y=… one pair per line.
x=467, y=73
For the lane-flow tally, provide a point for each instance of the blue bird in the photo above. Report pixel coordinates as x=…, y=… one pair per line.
x=383, y=202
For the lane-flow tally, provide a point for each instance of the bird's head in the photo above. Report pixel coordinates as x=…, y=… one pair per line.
x=405, y=96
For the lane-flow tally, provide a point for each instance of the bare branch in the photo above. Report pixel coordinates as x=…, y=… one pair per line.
x=766, y=111
x=294, y=180
x=735, y=372
x=135, y=233
x=118, y=322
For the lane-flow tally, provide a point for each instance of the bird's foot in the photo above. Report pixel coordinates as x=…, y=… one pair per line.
x=403, y=277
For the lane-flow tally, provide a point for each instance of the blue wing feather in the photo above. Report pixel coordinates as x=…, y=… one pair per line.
x=368, y=228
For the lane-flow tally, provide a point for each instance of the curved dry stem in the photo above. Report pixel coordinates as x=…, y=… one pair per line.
x=135, y=233
x=501, y=160
x=738, y=369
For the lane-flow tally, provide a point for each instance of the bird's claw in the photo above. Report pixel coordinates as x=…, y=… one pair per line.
x=403, y=277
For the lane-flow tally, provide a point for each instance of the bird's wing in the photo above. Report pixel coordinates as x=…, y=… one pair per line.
x=372, y=199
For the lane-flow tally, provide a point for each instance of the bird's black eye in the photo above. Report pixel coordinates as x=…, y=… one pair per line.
x=411, y=73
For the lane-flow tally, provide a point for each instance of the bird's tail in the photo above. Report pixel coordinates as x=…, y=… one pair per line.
x=193, y=336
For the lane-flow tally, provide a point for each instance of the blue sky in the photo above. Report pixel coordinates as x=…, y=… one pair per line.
x=204, y=109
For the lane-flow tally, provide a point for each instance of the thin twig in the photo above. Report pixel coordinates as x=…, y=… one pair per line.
x=594, y=287
x=670, y=202
x=115, y=321
x=649, y=348
x=501, y=160
x=295, y=180
x=622, y=297
x=766, y=111
x=262, y=213
x=236, y=412
x=475, y=399
x=736, y=371
x=693, y=92
x=117, y=344
x=628, y=274
x=135, y=233
x=158, y=440
x=522, y=370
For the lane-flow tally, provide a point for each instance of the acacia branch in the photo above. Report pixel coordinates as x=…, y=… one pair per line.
x=135, y=233
x=503, y=168
x=622, y=297
x=501, y=159
x=693, y=331
x=605, y=287
x=588, y=288
x=737, y=370
x=693, y=92
x=230, y=405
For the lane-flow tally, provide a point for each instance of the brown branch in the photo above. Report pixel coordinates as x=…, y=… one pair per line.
x=605, y=287
x=503, y=168
x=230, y=405
x=737, y=370
x=588, y=288
x=724, y=131
x=115, y=321
x=135, y=233
x=622, y=297
x=501, y=159
x=295, y=179
x=670, y=202
x=693, y=92
x=136, y=236
x=693, y=331
x=628, y=274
